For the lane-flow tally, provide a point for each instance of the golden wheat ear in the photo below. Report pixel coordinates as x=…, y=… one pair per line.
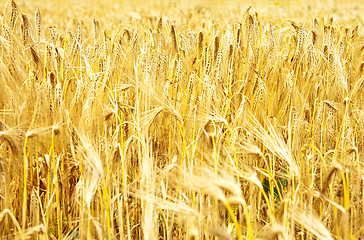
x=327, y=178
x=174, y=40
x=38, y=24
x=14, y=13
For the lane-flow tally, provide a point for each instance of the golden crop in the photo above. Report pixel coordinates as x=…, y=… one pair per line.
x=181, y=120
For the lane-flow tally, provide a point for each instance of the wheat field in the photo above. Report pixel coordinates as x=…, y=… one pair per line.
x=181, y=120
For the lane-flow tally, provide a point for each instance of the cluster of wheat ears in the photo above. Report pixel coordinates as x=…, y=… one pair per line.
x=159, y=129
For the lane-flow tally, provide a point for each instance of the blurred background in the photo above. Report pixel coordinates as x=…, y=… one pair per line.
x=63, y=11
